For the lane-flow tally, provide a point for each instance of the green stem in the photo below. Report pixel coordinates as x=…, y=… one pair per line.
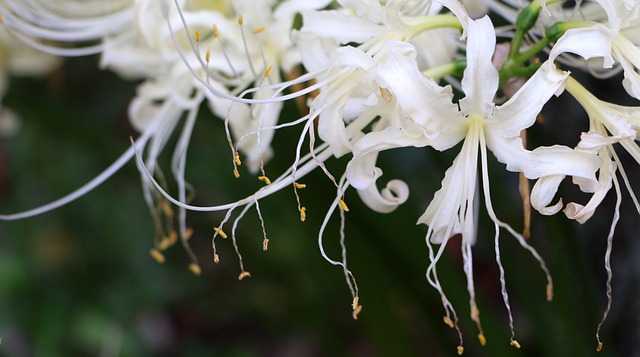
x=447, y=69
x=532, y=51
x=435, y=22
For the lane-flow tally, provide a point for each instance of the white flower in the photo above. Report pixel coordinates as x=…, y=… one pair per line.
x=481, y=125
x=616, y=42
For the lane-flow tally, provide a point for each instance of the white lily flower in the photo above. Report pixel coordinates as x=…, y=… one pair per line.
x=50, y=26
x=481, y=125
x=616, y=42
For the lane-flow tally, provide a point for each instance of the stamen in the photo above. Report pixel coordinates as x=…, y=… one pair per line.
x=515, y=344
x=220, y=232
x=216, y=258
x=356, y=312
x=155, y=254
x=300, y=185
x=207, y=57
x=482, y=339
x=386, y=95
x=240, y=19
x=237, y=159
x=195, y=269
x=197, y=36
x=549, y=292
x=303, y=214
x=599, y=348
x=259, y=29
x=215, y=31
x=236, y=173
x=265, y=179
x=460, y=350
x=244, y=274
x=448, y=321
x=267, y=71
x=188, y=233
x=265, y=244
x=343, y=205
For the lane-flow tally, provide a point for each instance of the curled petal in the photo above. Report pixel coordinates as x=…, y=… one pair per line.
x=543, y=192
x=388, y=199
x=589, y=42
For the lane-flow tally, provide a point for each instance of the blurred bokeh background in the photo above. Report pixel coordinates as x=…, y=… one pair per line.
x=79, y=281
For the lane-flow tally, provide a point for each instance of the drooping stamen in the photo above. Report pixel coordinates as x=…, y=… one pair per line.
x=156, y=255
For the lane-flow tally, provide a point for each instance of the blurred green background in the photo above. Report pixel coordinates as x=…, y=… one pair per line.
x=79, y=281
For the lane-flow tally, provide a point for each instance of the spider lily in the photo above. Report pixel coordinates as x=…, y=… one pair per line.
x=50, y=26
x=429, y=118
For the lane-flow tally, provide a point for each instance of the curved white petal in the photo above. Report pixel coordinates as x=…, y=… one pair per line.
x=480, y=81
x=589, y=42
x=543, y=192
x=386, y=200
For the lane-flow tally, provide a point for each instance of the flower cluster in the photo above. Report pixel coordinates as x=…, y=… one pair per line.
x=368, y=76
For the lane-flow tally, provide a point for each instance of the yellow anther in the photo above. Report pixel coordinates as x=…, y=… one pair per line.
x=599, y=348
x=220, y=232
x=237, y=159
x=215, y=31
x=240, y=19
x=172, y=238
x=356, y=312
x=515, y=344
x=188, y=232
x=195, y=269
x=482, y=339
x=303, y=214
x=244, y=274
x=343, y=206
x=355, y=302
x=155, y=254
x=1, y=19
x=197, y=36
x=265, y=244
x=259, y=29
x=207, y=57
x=448, y=321
x=386, y=95
x=236, y=173
x=216, y=258
x=549, y=292
x=265, y=179
x=163, y=244
x=299, y=186
x=460, y=350
x=267, y=71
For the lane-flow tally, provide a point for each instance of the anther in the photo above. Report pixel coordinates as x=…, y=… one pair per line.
x=354, y=304
x=236, y=173
x=197, y=36
x=244, y=274
x=599, y=348
x=237, y=159
x=549, y=292
x=265, y=244
x=259, y=29
x=356, y=312
x=172, y=238
x=343, y=205
x=207, y=57
x=195, y=269
x=482, y=339
x=386, y=95
x=215, y=31
x=448, y=321
x=216, y=258
x=267, y=71
x=156, y=255
x=220, y=232
x=188, y=232
x=300, y=185
x=460, y=350
x=240, y=19
x=303, y=214
x=515, y=344
x=265, y=179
